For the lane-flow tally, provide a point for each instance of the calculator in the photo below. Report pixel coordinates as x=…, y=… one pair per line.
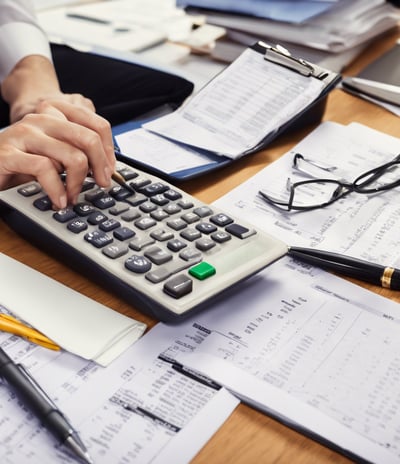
x=165, y=252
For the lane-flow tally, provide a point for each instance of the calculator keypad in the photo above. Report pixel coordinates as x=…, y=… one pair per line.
x=167, y=252
x=156, y=224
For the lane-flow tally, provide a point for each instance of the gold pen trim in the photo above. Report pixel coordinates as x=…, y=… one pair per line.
x=386, y=278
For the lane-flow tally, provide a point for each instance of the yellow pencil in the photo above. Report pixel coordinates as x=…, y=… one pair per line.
x=12, y=325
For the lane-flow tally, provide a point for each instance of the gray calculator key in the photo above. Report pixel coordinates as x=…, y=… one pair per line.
x=29, y=190
x=157, y=255
x=178, y=286
x=98, y=238
x=138, y=243
x=138, y=264
x=115, y=250
x=162, y=235
x=240, y=231
x=123, y=233
x=205, y=244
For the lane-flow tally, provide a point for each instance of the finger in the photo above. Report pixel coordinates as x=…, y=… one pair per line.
x=86, y=117
x=15, y=162
x=80, y=149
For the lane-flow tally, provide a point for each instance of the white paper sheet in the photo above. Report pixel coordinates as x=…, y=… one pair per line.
x=76, y=323
x=364, y=226
x=308, y=348
x=261, y=97
x=168, y=414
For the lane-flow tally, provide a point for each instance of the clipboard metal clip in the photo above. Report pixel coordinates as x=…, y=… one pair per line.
x=281, y=56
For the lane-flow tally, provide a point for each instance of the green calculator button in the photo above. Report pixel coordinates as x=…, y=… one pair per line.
x=202, y=271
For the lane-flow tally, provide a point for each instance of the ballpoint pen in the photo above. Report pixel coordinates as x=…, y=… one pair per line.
x=42, y=406
x=385, y=276
x=12, y=325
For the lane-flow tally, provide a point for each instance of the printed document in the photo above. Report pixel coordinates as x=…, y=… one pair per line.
x=140, y=409
x=364, y=226
x=262, y=97
x=308, y=348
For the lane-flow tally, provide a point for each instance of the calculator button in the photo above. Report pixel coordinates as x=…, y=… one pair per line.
x=109, y=224
x=178, y=286
x=221, y=219
x=118, y=209
x=185, y=204
x=145, y=223
x=136, y=200
x=138, y=243
x=77, y=226
x=138, y=264
x=104, y=202
x=157, y=255
x=159, y=215
x=139, y=182
x=176, y=244
x=98, y=238
x=154, y=189
x=163, y=272
x=96, y=218
x=123, y=233
x=221, y=236
x=172, y=194
x=203, y=211
x=190, y=254
x=162, y=235
x=190, y=234
x=202, y=270
x=128, y=174
x=64, y=215
x=94, y=195
x=240, y=231
x=190, y=218
x=172, y=208
x=130, y=215
x=29, y=190
x=205, y=244
x=120, y=193
x=177, y=224
x=206, y=227
x=83, y=209
x=159, y=200
x=147, y=207
x=115, y=250
x=43, y=203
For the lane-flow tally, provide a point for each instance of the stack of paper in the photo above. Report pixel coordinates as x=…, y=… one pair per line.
x=337, y=30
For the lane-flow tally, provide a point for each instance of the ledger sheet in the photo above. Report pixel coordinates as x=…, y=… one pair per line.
x=308, y=348
x=140, y=409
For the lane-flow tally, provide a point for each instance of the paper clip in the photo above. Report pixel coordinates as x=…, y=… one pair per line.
x=16, y=327
x=281, y=56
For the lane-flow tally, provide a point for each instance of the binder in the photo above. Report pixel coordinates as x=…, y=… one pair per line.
x=280, y=67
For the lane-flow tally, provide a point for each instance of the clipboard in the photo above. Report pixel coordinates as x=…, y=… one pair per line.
x=275, y=59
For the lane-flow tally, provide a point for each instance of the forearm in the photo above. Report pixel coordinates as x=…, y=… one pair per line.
x=31, y=80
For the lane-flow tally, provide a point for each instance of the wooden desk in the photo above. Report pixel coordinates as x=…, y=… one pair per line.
x=248, y=436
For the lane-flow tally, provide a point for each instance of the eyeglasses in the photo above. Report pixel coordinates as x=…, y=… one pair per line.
x=318, y=192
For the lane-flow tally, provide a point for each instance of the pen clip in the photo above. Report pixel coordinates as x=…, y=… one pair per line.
x=283, y=57
x=36, y=386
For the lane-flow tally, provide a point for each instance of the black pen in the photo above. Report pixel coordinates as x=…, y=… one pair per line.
x=42, y=406
x=385, y=276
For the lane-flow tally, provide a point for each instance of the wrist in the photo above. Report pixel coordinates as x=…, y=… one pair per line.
x=32, y=79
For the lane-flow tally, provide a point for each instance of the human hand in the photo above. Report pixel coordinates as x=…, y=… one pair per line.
x=60, y=136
